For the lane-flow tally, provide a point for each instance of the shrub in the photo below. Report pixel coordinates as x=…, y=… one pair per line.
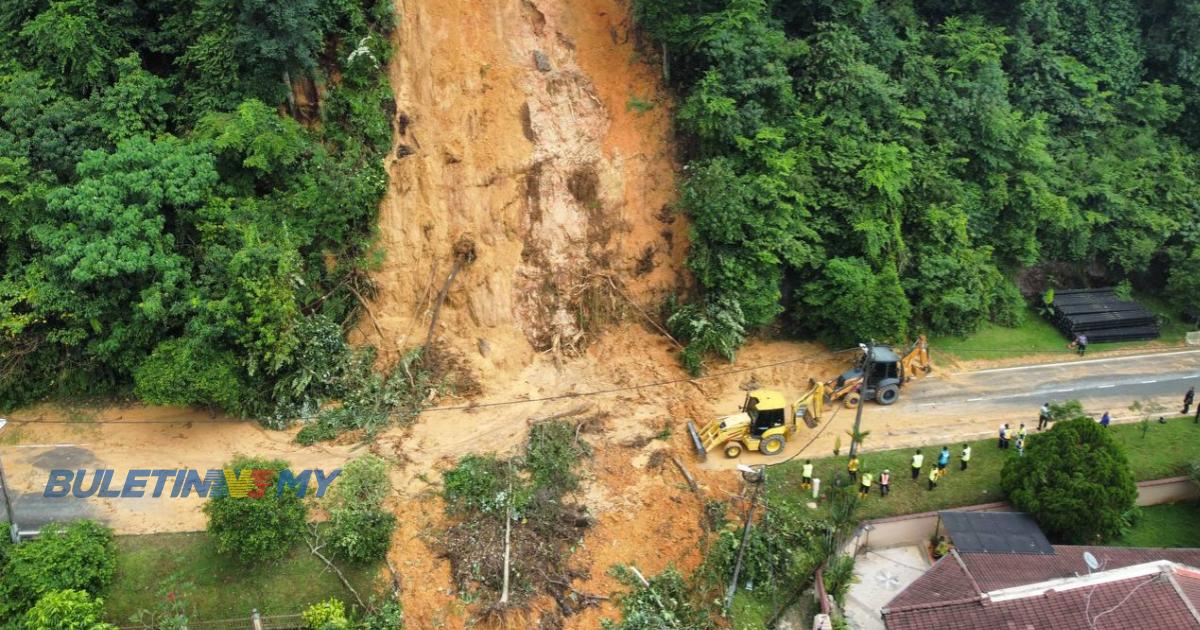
x=190, y=372
x=386, y=616
x=1074, y=480
x=364, y=482
x=839, y=575
x=482, y=482
x=256, y=529
x=362, y=534
x=327, y=615
x=66, y=610
x=360, y=528
x=552, y=454
x=78, y=556
x=665, y=604
x=716, y=327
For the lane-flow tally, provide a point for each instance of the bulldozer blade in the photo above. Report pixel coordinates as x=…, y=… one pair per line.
x=692, y=431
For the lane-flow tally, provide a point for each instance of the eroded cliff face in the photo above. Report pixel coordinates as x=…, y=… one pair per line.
x=537, y=131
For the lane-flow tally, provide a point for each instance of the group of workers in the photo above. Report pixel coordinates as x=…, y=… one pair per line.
x=1007, y=436
x=866, y=479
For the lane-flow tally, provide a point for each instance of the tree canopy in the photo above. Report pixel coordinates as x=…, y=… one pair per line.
x=172, y=218
x=877, y=169
x=1075, y=480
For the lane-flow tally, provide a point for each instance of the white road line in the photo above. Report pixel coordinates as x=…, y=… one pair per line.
x=41, y=445
x=1153, y=380
x=1084, y=362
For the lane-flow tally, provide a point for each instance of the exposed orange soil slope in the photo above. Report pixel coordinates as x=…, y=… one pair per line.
x=513, y=131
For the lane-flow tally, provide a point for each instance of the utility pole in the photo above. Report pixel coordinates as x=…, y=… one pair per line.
x=760, y=480
x=862, y=394
x=12, y=524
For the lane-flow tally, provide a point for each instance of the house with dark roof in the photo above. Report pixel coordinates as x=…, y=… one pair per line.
x=994, y=581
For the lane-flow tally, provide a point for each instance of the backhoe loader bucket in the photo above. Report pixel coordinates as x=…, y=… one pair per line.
x=695, y=433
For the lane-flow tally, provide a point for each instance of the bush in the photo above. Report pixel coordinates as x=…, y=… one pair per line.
x=256, y=529
x=386, y=616
x=665, y=604
x=839, y=575
x=552, y=454
x=784, y=548
x=190, y=372
x=481, y=483
x=78, y=556
x=327, y=615
x=359, y=528
x=1074, y=480
x=716, y=327
x=361, y=534
x=66, y=610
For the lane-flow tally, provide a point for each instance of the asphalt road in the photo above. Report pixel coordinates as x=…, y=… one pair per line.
x=1110, y=383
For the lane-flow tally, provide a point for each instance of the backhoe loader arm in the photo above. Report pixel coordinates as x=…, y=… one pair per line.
x=810, y=405
x=917, y=358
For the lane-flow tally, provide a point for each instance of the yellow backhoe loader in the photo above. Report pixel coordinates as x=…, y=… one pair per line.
x=764, y=424
x=889, y=372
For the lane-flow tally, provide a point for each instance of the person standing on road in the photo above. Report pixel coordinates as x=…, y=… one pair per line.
x=852, y=468
x=917, y=461
x=943, y=460
x=865, y=488
x=1105, y=419
x=966, y=456
x=885, y=482
x=933, y=477
x=1188, y=399
x=1044, y=416
x=806, y=475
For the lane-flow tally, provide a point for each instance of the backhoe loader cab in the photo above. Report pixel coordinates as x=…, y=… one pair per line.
x=889, y=371
x=883, y=383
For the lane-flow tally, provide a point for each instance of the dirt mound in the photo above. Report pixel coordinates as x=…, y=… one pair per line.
x=516, y=127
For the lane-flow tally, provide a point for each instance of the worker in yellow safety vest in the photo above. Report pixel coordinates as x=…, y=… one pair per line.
x=933, y=477
x=852, y=468
x=865, y=487
x=806, y=475
x=966, y=456
x=917, y=461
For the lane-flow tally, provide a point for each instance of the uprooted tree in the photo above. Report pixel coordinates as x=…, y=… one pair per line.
x=513, y=525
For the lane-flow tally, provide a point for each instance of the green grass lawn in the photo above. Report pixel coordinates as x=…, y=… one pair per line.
x=1165, y=451
x=1037, y=336
x=222, y=588
x=1168, y=525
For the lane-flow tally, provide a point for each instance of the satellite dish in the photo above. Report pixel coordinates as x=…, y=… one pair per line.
x=1090, y=560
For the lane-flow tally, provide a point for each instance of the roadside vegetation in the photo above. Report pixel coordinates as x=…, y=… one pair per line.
x=876, y=170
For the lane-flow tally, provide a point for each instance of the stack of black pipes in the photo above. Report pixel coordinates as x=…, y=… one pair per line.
x=1102, y=316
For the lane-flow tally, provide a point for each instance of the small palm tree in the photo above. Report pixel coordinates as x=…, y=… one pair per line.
x=857, y=437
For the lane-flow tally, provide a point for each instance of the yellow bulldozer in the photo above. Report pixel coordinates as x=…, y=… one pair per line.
x=764, y=424
x=889, y=371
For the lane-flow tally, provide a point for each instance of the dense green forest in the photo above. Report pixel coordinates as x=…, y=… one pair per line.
x=187, y=194
x=880, y=168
